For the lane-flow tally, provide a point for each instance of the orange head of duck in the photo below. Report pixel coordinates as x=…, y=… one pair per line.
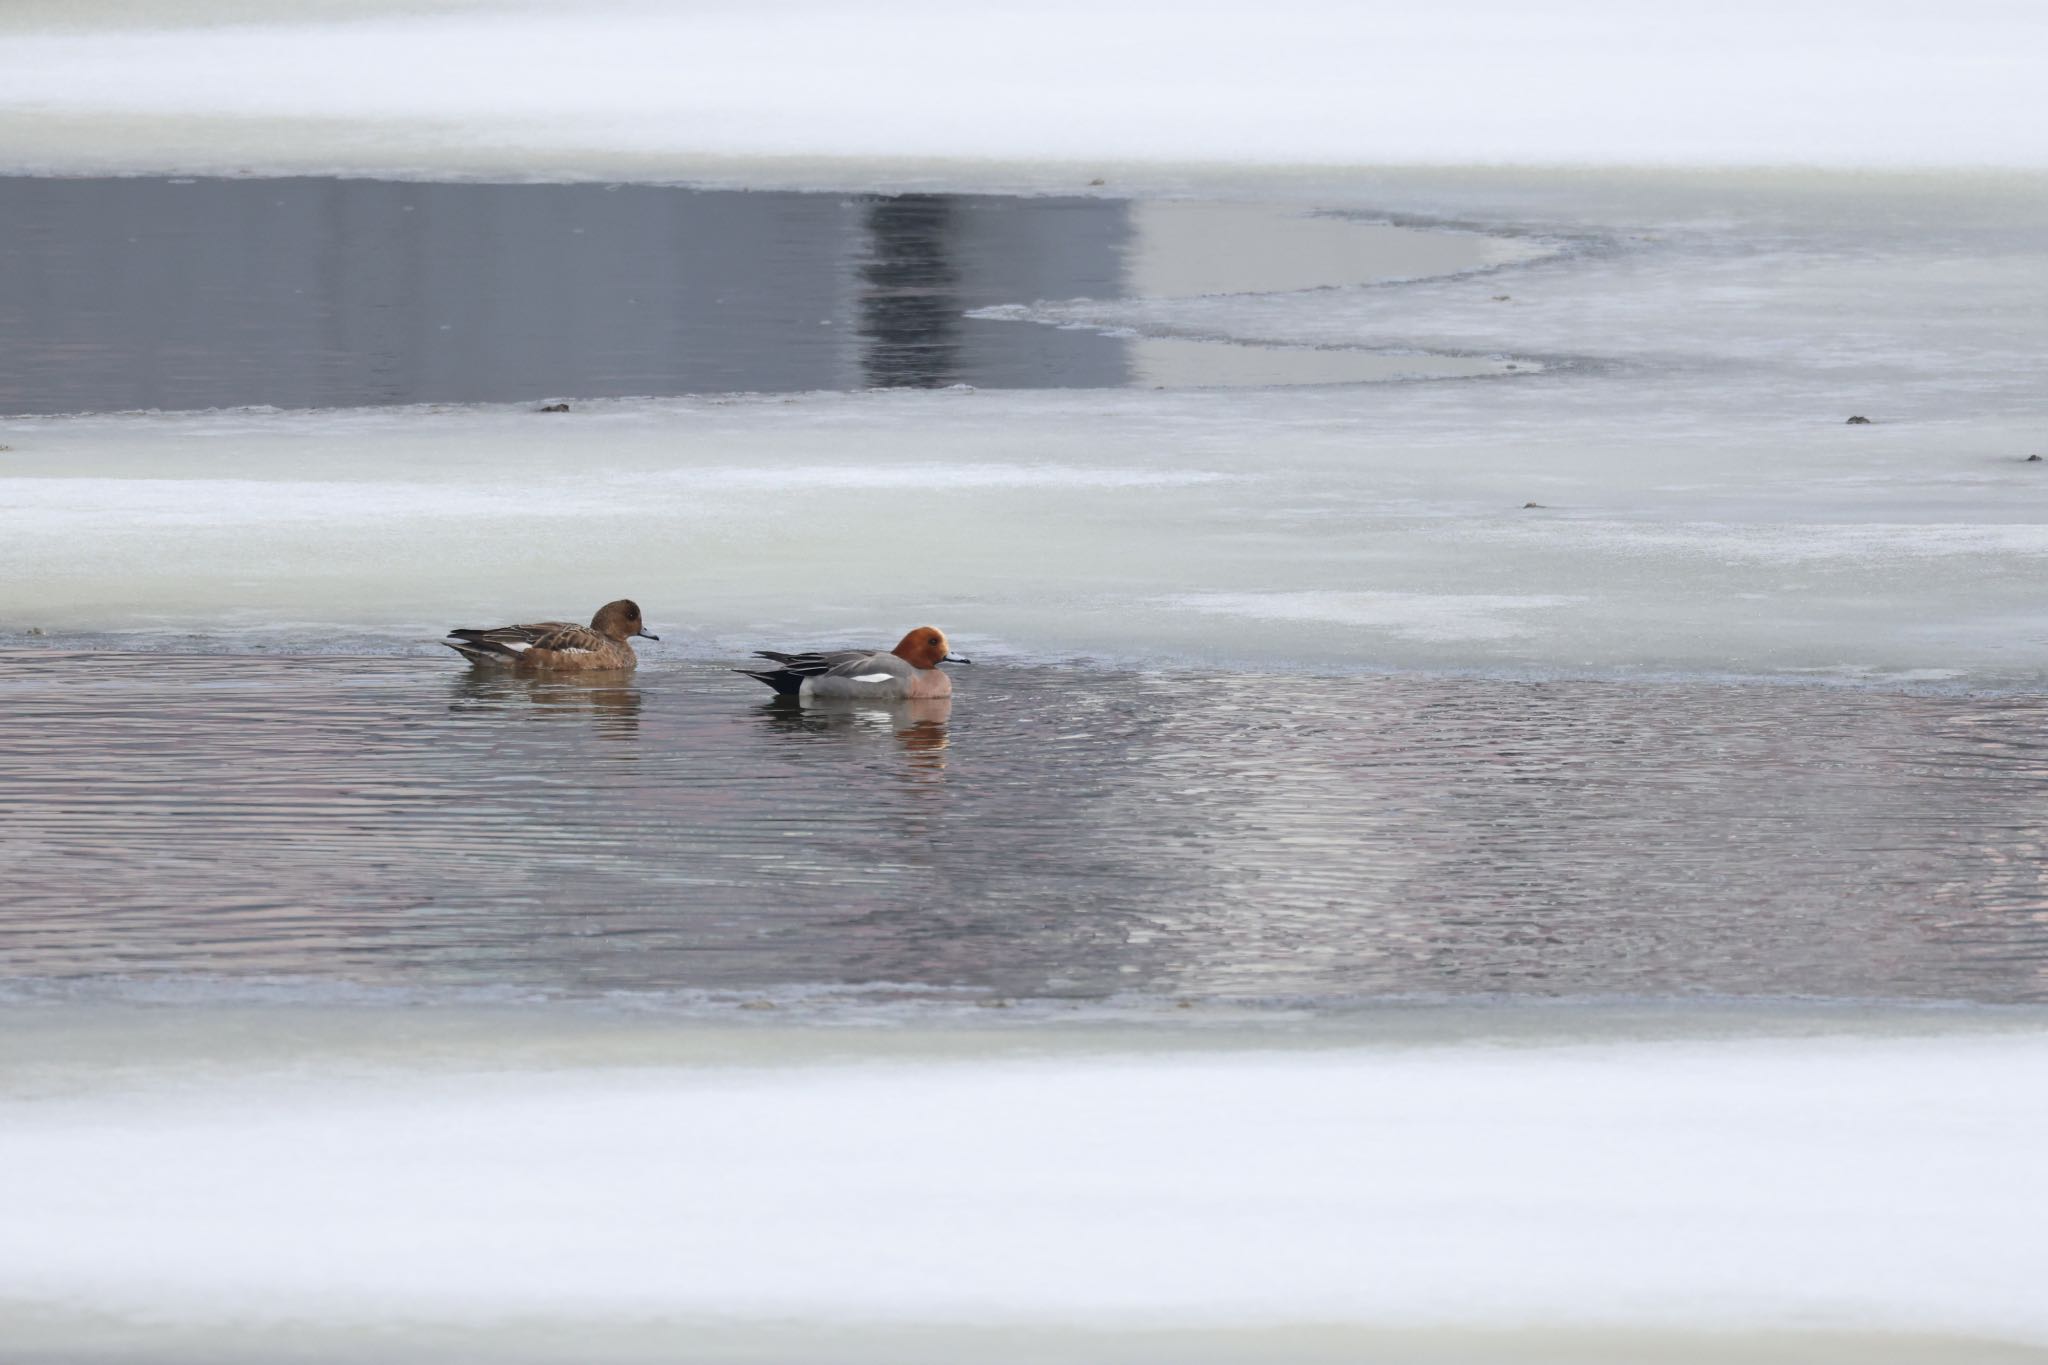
x=620, y=620
x=927, y=647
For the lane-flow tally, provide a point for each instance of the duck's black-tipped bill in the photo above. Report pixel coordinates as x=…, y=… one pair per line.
x=648, y=635
x=955, y=659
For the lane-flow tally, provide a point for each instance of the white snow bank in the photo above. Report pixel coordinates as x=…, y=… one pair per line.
x=1878, y=1181
x=625, y=89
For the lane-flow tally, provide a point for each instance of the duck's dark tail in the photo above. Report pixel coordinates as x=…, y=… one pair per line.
x=788, y=679
x=785, y=682
x=478, y=650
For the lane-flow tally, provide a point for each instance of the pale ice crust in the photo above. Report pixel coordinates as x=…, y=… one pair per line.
x=627, y=89
x=1876, y=1180
x=1423, y=616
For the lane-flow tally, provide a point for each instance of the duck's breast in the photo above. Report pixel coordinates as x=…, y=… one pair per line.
x=928, y=684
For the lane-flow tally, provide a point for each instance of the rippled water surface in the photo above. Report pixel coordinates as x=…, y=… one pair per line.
x=1055, y=833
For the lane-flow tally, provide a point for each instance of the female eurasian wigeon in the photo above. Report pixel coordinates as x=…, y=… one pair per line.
x=558, y=646
x=909, y=672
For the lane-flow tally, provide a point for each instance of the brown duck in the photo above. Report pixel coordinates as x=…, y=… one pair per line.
x=557, y=646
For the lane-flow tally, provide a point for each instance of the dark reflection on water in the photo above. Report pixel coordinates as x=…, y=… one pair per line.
x=1052, y=834
x=611, y=705
x=910, y=309
x=136, y=293
x=920, y=727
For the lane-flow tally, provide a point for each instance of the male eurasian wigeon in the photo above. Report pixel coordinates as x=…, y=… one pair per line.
x=558, y=646
x=909, y=672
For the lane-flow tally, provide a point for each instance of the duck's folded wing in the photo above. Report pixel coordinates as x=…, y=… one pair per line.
x=869, y=667
x=572, y=640
x=502, y=642
x=516, y=637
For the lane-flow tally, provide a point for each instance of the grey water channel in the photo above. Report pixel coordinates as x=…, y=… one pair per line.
x=399, y=824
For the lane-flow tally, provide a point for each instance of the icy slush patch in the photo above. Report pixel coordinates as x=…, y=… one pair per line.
x=1417, y=616
x=1798, y=543
x=967, y=476
x=91, y=503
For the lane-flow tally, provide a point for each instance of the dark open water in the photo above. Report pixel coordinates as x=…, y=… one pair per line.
x=397, y=823
x=121, y=294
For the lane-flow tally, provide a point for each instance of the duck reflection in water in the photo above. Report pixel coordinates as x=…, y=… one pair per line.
x=919, y=727
x=612, y=707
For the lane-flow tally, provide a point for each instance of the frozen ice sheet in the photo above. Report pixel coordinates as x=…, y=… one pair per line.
x=1676, y=491
x=1871, y=1175
x=632, y=90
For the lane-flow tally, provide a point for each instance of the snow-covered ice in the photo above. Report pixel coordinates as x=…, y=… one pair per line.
x=1806, y=1175
x=631, y=89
